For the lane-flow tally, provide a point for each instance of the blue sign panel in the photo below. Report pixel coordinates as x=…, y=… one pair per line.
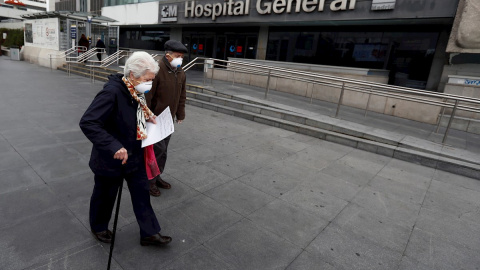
x=73, y=32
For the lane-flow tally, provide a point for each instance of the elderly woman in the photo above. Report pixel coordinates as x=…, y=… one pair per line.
x=115, y=124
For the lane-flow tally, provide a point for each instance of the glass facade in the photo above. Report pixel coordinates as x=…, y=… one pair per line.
x=408, y=55
x=146, y=39
x=69, y=5
x=96, y=6
x=223, y=43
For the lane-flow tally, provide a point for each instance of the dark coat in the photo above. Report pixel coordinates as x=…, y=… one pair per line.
x=110, y=123
x=100, y=44
x=84, y=42
x=168, y=89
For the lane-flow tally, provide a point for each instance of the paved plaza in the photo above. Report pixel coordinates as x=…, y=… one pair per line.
x=244, y=195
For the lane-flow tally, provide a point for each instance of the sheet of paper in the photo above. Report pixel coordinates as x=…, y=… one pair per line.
x=159, y=131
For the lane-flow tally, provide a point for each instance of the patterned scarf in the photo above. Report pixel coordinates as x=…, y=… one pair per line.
x=143, y=112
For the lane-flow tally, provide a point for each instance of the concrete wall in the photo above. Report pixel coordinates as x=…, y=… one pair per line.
x=468, y=121
x=329, y=90
x=470, y=70
x=133, y=14
x=40, y=56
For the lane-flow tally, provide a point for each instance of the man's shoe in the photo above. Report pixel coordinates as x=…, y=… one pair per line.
x=156, y=240
x=104, y=236
x=154, y=191
x=162, y=184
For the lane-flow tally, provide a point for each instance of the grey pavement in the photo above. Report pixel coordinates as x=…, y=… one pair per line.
x=244, y=195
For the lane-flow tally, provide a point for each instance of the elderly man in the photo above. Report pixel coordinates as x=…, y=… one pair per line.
x=168, y=90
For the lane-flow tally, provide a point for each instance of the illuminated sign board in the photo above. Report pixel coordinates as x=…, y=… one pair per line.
x=215, y=10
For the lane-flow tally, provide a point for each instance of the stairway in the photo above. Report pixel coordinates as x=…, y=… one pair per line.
x=338, y=131
x=100, y=73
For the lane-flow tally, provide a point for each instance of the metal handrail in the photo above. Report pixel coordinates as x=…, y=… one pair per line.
x=63, y=54
x=450, y=101
x=106, y=62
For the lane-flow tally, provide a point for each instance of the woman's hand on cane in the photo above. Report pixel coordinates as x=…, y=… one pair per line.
x=121, y=154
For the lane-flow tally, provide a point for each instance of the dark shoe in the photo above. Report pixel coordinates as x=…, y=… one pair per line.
x=154, y=191
x=105, y=236
x=162, y=184
x=156, y=240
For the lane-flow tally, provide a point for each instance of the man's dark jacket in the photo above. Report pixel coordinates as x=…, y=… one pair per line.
x=110, y=123
x=168, y=89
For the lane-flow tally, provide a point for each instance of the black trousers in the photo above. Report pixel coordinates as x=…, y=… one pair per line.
x=103, y=199
x=99, y=56
x=160, y=150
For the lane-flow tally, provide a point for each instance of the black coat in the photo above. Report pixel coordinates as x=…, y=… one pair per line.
x=110, y=123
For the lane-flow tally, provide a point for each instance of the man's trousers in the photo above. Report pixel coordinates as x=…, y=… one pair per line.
x=160, y=149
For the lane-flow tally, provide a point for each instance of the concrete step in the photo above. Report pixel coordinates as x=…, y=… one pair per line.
x=339, y=131
x=81, y=69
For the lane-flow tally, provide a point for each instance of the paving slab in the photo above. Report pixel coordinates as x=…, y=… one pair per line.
x=240, y=197
x=308, y=260
x=84, y=257
x=289, y=221
x=374, y=227
x=316, y=201
x=382, y=204
x=437, y=253
x=198, y=259
x=398, y=190
x=346, y=250
x=456, y=229
x=38, y=239
x=129, y=254
x=16, y=178
x=247, y=246
x=201, y=217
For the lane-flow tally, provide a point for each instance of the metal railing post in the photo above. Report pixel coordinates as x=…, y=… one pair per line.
x=213, y=70
x=340, y=99
x=233, y=81
x=441, y=117
x=368, y=102
x=268, y=83
x=51, y=69
x=93, y=74
x=450, y=121
x=311, y=94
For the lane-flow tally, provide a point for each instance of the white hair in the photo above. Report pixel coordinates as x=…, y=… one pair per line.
x=139, y=63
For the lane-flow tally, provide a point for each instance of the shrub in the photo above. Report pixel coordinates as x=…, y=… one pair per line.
x=14, y=37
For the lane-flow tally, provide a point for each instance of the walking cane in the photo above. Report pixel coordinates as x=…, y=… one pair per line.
x=115, y=225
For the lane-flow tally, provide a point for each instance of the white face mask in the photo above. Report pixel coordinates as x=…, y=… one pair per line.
x=176, y=62
x=144, y=87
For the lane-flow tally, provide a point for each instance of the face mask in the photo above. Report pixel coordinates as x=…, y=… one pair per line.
x=144, y=87
x=176, y=62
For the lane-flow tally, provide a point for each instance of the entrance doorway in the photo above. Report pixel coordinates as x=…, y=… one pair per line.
x=221, y=44
x=199, y=46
